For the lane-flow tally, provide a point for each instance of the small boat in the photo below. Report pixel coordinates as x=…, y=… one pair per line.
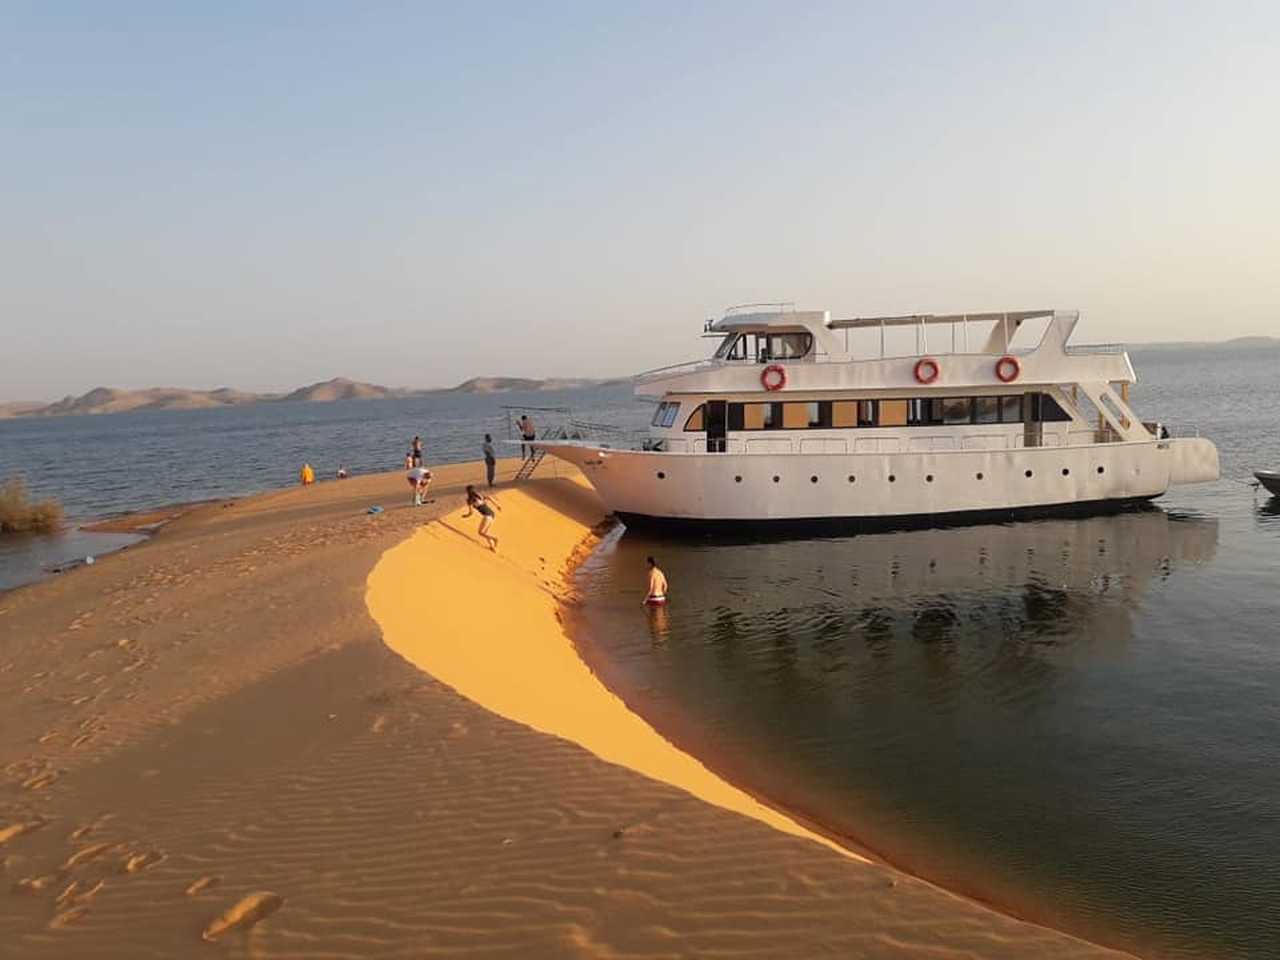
x=1269, y=479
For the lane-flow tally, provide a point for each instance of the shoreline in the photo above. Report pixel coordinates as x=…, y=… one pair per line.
x=487, y=690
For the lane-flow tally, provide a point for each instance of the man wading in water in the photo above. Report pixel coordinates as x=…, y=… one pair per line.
x=657, y=595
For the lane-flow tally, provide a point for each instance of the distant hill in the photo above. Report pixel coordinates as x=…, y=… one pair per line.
x=104, y=400
x=340, y=388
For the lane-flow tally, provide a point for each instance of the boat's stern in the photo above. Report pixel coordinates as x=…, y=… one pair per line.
x=1195, y=460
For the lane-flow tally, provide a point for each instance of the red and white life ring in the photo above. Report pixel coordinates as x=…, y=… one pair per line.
x=1007, y=369
x=773, y=377
x=927, y=370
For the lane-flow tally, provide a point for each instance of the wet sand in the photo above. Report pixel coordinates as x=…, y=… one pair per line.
x=214, y=714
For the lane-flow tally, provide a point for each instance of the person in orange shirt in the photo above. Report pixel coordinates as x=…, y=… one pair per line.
x=307, y=475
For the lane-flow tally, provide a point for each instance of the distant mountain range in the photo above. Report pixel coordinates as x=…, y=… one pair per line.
x=102, y=400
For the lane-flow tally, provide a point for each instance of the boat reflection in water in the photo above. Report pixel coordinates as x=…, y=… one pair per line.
x=1001, y=709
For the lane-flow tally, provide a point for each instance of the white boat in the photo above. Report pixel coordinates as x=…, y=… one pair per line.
x=982, y=416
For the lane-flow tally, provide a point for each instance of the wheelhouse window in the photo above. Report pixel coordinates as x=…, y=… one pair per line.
x=665, y=415
x=733, y=347
x=697, y=421
x=956, y=410
x=1045, y=409
x=784, y=346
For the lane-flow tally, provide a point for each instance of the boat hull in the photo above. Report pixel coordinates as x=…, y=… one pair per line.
x=863, y=491
x=1269, y=480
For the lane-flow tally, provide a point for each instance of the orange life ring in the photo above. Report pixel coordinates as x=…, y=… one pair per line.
x=927, y=370
x=774, y=377
x=1007, y=369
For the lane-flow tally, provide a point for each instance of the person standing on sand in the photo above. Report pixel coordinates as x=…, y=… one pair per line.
x=528, y=434
x=657, y=595
x=490, y=458
x=307, y=475
x=419, y=479
x=484, y=506
x=416, y=452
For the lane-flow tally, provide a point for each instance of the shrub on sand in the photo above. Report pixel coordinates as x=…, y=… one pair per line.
x=20, y=514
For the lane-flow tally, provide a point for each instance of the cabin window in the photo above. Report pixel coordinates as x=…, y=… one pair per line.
x=665, y=415
x=986, y=409
x=893, y=413
x=756, y=416
x=1011, y=409
x=795, y=416
x=697, y=419
x=956, y=410
x=820, y=415
x=1045, y=409
x=923, y=411
x=844, y=413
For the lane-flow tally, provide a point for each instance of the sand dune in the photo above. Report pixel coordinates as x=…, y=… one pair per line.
x=223, y=737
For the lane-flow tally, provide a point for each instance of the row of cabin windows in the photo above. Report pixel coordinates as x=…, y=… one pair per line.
x=917, y=412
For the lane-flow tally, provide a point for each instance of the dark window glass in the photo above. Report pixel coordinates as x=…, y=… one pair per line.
x=773, y=416
x=986, y=410
x=1051, y=411
x=1011, y=409
x=868, y=413
x=735, y=416
x=820, y=414
x=956, y=410
x=923, y=411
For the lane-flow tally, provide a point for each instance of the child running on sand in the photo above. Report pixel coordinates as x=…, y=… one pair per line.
x=484, y=506
x=419, y=479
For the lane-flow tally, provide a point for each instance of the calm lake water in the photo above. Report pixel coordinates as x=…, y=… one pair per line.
x=1077, y=719
x=104, y=465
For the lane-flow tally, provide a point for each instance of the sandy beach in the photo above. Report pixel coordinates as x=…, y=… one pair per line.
x=300, y=730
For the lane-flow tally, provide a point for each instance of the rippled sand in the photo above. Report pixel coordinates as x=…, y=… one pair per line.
x=205, y=738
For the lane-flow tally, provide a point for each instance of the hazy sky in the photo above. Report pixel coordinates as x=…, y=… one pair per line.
x=262, y=195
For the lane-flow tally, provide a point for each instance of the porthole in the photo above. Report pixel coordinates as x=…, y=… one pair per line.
x=661, y=475
x=979, y=476
x=737, y=479
x=1028, y=474
x=892, y=478
x=776, y=478
x=852, y=478
x=813, y=479
x=928, y=478
x=1102, y=470
x=1066, y=472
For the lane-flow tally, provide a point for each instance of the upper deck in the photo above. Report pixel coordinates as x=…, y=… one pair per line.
x=820, y=353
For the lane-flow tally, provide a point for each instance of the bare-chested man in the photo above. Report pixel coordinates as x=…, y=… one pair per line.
x=657, y=595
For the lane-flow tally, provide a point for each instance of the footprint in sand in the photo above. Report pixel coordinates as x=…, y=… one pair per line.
x=198, y=887
x=77, y=892
x=34, y=886
x=136, y=862
x=14, y=830
x=243, y=914
x=93, y=851
x=67, y=917
x=40, y=780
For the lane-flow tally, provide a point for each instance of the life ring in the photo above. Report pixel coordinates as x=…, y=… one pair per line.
x=1007, y=369
x=927, y=370
x=774, y=377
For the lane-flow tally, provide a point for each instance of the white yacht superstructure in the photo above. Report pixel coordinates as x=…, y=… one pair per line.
x=983, y=415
